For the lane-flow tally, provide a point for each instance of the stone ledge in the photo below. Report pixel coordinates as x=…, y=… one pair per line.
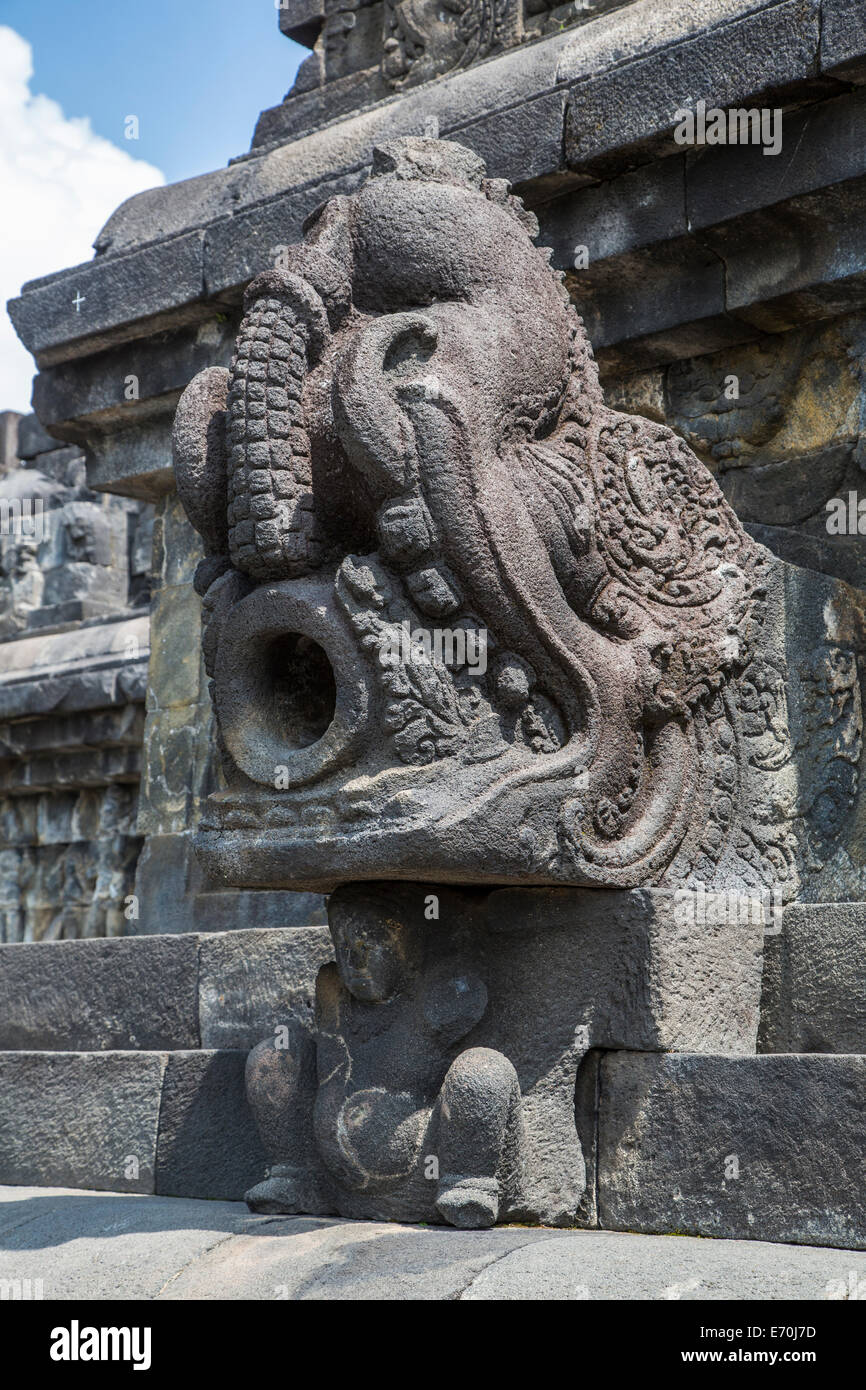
x=671, y=1127
x=761, y=51
x=485, y=107
x=153, y=993
x=100, y=995
x=170, y=1122
x=92, y=667
x=750, y=1148
x=166, y=277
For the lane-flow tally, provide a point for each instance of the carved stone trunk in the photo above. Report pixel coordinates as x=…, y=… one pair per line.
x=466, y=624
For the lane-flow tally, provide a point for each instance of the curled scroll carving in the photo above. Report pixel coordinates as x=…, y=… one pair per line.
x=411, y=453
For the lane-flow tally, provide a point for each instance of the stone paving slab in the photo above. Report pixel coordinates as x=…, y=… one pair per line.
x=114, y=1245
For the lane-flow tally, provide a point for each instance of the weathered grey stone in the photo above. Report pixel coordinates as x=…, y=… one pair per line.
x=97, y=996
x=612, y=1265
x=845, y=559
x=69, y=393
x=742, y=1147
x=843, y=37
x=83, y=1245
x=174, y=896
x=306, y=170
x=80, y=1119
x=416, y=436
x=822, y=145
x=389, y=48
x=98, y=666
x=349, y=753
x=207, y=1145
x=253, y=982
x=723, y=54
x=639, y=208
x=669, y=298
x=33, y=439
x=108, y=1246
x=819, y=1000
x=438, y=1096
x=9, y=455
x=159, y=281
x=73, y=665
x=826, y=275
x=204, y=468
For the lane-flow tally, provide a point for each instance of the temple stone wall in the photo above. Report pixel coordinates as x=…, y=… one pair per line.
x=74, y=596
x=779, y=423
x=180, y=762
x=693, y=267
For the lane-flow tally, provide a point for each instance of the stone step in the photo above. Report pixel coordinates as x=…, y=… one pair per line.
x=743, y=1147
x=174, y=1123
x=765, y=1148
x=158, y=993
x=229, y=989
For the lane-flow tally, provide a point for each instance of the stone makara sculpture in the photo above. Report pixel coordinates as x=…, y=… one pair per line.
x=467, y=625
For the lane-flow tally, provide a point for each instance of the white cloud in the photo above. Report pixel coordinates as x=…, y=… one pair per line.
x=58, y=184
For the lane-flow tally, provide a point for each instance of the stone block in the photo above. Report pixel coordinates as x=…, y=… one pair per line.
x=207, y=1145
x=522, y=142
x=80, y=1119
x=175, y=658
x=240, y=247
x=843, y=557
x=625, y=103
x=9, y=455
x=135, y=461
x=761, y=1148
x=818, y=1003
x=255, y=981
x=161, y=885
x=177, y=548
x=640, y=208
x=633, y=969
x=171, y=741
x=821, y=145
x=162, y=278
x=648, y=291
x=801, y=260
x=843, y=37
x=99, y=995
x=229, y=910
x=33, y=439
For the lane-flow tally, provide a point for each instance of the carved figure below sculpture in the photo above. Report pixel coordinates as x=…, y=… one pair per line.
x=401, y=1106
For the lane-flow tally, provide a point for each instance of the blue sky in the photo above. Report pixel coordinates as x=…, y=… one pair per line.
x=195, y=72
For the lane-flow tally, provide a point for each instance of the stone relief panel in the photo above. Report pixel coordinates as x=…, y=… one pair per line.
x=429, y=38
x=779, y=422
x=74, y=591
x=366, y=52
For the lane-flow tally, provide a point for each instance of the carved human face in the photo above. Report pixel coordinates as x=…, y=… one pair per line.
x=369, y=960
